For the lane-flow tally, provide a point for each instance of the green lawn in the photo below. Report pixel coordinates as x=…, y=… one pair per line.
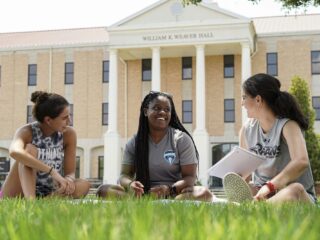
x=147, y=219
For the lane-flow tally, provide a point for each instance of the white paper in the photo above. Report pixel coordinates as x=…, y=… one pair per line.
x=239, y=161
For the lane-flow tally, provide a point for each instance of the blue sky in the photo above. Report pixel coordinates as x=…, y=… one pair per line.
x=33, y=15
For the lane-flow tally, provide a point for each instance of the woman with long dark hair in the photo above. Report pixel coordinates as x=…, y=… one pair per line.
x=161, y=159
x=274, y=130
x=42, y=150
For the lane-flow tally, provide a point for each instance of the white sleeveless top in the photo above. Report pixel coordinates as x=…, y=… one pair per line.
x=274, y=148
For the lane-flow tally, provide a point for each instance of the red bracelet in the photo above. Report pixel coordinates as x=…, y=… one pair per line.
x=271, y=186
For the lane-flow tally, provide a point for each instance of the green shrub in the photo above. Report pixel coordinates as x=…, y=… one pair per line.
x=299, y=88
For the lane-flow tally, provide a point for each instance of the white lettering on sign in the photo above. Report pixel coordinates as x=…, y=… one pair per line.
x=178, y=36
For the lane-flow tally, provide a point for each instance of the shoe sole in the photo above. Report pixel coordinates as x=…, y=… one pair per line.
x=236, y=189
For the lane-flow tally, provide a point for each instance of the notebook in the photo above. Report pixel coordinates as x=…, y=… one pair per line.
x=238, y=160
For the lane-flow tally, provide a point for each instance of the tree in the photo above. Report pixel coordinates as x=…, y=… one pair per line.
x=288, y=4
x=299, y=88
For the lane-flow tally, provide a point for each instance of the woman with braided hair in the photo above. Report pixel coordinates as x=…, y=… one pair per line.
x=41, y=150
x=161, y=159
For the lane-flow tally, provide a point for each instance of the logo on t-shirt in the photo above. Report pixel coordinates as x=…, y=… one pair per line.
x=169, y=156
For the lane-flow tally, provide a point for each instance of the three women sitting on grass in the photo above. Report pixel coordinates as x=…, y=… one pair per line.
x=45, y=153
x=161, y=159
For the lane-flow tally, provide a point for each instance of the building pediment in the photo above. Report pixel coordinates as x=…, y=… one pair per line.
x=172, y=12
x=174, y=28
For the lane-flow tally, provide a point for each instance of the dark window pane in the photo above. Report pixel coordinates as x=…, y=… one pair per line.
x=187, y=105
x=187, y=68
x=77, y=173
x=146, y=69
x=229, y=110
x=272, y=70
x=105, y=113
x=317, y=114
x=229, y=104
x=272, y=58
x=68, y=79
x=315, y=56
x=186, y=73
x=228, y=66
x=187, y=117
x=315, y=62
x=105, y=71
x=229, y=116
x=272, y=64
x=32, y=69
x=32, y=74
x=101, y=164
x=29, y=114
x=146, y=75
x=316, y=106
x=316, y=68
x=187, y=111
x=69, y=67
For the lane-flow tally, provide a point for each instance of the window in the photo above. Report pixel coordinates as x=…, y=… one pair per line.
x=100, y=167
x=218, y=152
x=146, y=69
x=316, y=106
x=29, y=114
x=187, y=111
x=71, y=114
x=32, y=74
x=228, y=66
x=229, y=111
x=77, y=173
x=105, y=72
x=186, y=68
x=105, y=113
x=4, y=165
x=315, y=62
x=68, y=73
x=272, y=64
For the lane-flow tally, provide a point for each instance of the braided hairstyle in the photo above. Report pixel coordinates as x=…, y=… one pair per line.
x=47, y=104
x=141, y=160
x=281, y=103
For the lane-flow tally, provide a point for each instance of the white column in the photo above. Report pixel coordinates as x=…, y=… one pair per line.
x=112, y=147
x=200, y=134
x=156, y=69
x=245, y=72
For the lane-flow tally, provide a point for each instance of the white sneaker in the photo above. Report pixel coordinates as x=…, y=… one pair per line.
x=236, y=188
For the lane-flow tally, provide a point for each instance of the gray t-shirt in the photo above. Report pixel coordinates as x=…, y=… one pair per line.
x=165, y=158
x=274, y=148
